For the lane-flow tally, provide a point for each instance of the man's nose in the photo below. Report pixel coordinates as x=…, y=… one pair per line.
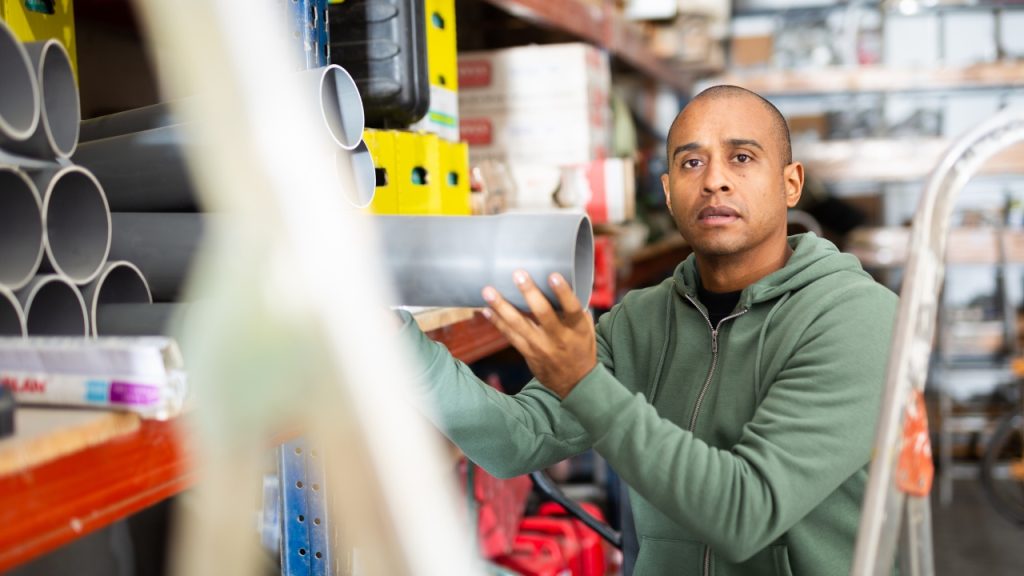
x=716, y=178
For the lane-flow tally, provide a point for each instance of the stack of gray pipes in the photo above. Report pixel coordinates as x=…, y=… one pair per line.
x=98, y=219
x=54, y=218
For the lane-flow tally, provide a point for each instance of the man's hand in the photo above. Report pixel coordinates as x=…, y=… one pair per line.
x=559, y=349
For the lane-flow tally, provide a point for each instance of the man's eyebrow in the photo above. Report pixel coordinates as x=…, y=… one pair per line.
x=686, y=148
x=741, y=142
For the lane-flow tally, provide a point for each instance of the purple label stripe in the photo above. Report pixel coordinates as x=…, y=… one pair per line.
x=133, y=394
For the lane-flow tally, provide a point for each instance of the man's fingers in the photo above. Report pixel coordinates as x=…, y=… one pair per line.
x=517, y=340
x=511, y=317
x=571, y=306
x=538, y=303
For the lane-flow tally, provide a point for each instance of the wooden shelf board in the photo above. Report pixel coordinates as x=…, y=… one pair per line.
x=603, y=26
x=891, y=160
x=470, y=340
x=876, y=79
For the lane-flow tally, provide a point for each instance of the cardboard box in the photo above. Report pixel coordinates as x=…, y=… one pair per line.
x=442, y=116
x=612, y=191
x=750, y=51
x=535, y=104
x=550, y=76
x=555, y=136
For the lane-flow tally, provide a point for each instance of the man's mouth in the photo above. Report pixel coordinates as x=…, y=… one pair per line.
x=717, y=215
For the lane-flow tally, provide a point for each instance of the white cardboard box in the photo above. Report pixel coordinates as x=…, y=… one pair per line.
x=532, y=76
x=553, y=136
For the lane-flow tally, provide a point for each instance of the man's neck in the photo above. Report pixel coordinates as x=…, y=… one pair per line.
x=734, y=272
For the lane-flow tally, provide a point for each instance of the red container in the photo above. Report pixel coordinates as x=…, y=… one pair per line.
x=592, y=555
x=563, y=532
x=535, y=555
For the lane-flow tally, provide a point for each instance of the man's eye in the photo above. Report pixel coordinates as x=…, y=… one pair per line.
x=691, y=163
x=743, y=158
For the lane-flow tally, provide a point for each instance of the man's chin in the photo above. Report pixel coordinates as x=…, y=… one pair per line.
x=714, y=245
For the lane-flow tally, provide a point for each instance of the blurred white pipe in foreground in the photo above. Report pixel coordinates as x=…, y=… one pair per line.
x=298, y=331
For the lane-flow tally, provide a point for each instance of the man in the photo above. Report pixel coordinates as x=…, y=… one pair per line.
x=737, y=399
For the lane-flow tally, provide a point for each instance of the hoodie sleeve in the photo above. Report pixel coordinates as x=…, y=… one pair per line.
x=506, y=435
x=812, y=431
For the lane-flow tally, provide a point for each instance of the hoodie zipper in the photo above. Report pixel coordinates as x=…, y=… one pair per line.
x=704, y=388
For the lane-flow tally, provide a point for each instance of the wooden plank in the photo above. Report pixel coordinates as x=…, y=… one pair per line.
x=604, y=26
x=470, y=340
x=45, y=434
x=872, y=79
x=435, y=318
x=891, y=160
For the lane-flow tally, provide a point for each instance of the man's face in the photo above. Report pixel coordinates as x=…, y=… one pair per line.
x=727, y=187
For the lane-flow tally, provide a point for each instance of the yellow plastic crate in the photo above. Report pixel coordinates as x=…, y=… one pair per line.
x=418, y=174
x=455, y=178
x=381, y=144
x=31, y=25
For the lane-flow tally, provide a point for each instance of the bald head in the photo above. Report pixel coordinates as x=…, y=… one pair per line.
x=743, y=97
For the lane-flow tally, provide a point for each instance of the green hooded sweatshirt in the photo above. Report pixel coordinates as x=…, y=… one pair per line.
x=745, y=445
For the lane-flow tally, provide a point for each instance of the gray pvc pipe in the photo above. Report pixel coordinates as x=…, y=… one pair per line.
x=142, y=171
x=21, y=228
x=341, y=107
x=146, y=171
x=119, y=282
x=447, y=260
x=76, y=223
x=56, y=134
x=19, y=90
x=364, y=174
x=53, y=307
x=136, y=319
x=135, y=120
x=12, y=319
x=161, y=245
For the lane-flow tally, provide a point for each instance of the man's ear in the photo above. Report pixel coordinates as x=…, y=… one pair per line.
x=793, y=180
x=668, y=195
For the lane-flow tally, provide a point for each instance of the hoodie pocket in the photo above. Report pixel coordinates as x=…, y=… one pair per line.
x=663, y=557
x=772, y=561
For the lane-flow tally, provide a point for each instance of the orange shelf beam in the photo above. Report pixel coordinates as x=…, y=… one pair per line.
x=49, y=505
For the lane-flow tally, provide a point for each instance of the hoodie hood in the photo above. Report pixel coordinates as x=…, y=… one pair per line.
x=812, y=258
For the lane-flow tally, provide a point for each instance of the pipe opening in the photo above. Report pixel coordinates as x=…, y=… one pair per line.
x=19, y=91
x=12, y=319
x=118, y=283
x=365, y=176
x=583, y=263
x=55, y=308
x=21, y=229
x=77, y=225
x=341, y=107
x=61, y=113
